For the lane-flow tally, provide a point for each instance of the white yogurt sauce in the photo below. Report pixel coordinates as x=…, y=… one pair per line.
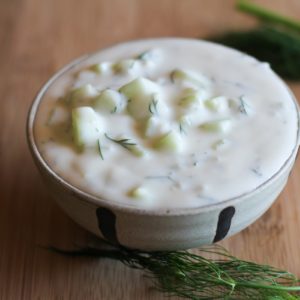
x=204, y=162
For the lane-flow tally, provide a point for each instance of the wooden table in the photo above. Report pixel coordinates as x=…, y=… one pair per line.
x=36, y=38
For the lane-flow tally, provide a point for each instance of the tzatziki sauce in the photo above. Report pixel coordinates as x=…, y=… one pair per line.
x=167, y=123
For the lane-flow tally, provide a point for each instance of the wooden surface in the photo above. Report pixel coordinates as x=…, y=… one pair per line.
x=36, y=38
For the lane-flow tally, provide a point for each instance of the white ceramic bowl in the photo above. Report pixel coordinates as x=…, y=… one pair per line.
x=158, y=230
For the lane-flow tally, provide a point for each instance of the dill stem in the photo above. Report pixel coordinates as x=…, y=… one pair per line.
x=269, y=287
x=267, y=15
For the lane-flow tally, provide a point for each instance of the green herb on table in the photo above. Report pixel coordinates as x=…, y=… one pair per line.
x=267, y=15
x=191, y=276
x=278, y=42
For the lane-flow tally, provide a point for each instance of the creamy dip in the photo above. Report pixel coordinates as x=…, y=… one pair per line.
x=167, y=123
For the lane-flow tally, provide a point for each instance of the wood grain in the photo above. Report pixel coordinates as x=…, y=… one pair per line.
x=36, y=38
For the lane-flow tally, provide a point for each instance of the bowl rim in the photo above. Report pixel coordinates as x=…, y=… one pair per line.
x=118, y=206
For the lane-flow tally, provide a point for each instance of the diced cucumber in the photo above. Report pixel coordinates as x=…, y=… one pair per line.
x=190, y=101
x=82, y=95
x=222, y=125
x=155, y=126
x=123, y=66
x=189, y=92
x=217, y=104
x=100, y=68
x=86, y=127
x=109, y=101
x=140, y=92
x=170, y=142
x=139, y=87
x=139, y=192
x=189, y=77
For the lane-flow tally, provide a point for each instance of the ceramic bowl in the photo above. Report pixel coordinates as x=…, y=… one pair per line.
x=160, y=230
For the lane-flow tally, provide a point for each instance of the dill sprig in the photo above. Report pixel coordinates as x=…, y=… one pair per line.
x=129, y=145
x=125, y=143
x=280, y=48
x=192, y=276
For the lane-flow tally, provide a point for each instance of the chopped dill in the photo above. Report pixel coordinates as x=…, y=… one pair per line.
x=182, y=129
x=257, y=171
x=153, y=106
x=125, y=143
x=243, y=107
x=144, y=55
x=114, y=110
x=100, y=149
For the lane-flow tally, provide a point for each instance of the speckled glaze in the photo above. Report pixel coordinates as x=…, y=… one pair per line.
x=156, y=230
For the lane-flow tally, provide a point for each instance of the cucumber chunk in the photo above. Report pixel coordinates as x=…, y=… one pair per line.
x=124, y=66
x=195, y=79
x=86, y=127
x=141, y=92
x=82, y=95
x=109, y=101
x=100, y=68
x=139, y=192
x=223, y=125
x=139, y=87
x=184, y=124
x=217, y=104
x=190, y=101
x=170, y=142
x=155, y=126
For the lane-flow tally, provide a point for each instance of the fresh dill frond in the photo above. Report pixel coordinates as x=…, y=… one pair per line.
x=198, y=277
x=276, y=40
x=125, y=143
x=129, y=145
x=279, y=48
x=267, y=15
